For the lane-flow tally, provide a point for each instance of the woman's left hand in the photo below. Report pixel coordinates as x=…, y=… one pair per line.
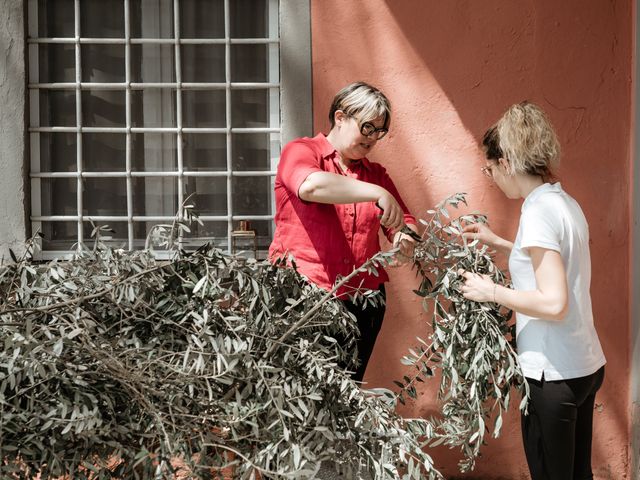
x=406, y=246
x=476, y=287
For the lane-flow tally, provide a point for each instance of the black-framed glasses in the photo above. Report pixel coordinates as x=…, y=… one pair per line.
x=367, y=129
x=486, y=171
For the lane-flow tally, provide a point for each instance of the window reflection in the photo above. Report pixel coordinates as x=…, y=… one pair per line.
x=202, y=18
x=102, y=18
x=251, y=195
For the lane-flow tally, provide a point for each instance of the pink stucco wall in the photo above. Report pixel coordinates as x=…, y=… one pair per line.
x=450, y=68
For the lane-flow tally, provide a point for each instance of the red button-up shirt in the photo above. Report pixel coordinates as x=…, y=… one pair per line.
x=327, y=240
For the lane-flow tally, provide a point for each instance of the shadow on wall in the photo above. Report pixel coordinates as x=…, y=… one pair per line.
x=573, y=61
x=450, y=70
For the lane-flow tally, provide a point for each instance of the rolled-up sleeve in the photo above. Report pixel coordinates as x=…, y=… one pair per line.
x=297, y=162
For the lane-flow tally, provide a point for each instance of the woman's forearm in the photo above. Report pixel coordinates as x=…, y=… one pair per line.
x=548, y=303
x=326, y=187
x=503, y=246
x=534, y=303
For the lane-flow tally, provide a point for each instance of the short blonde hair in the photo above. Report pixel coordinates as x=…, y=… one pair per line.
x=525, y=137
x=361, y=100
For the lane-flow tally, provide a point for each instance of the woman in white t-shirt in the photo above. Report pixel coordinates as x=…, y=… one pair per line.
x=550, y=268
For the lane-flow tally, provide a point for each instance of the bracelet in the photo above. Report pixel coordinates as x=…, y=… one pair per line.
x=494, y=292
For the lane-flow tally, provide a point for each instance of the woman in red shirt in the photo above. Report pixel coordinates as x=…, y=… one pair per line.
x=326, y=195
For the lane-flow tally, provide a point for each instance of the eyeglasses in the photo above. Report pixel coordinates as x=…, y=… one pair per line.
x=367, y=129
x=487, y=172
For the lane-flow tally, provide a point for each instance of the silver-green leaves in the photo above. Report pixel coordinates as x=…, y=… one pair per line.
x=115, y=363
x=470, y=343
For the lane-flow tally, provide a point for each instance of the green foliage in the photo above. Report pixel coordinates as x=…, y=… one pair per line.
x=116, y=355
x=469, y=343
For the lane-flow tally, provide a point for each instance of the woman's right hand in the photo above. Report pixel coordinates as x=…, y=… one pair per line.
x=481, y=232
x=392, y=215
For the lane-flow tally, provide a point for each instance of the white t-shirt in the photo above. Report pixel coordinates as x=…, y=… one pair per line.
x=567, y=348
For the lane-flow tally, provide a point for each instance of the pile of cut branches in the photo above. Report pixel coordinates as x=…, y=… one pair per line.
x=115, y=363
x=210, y=359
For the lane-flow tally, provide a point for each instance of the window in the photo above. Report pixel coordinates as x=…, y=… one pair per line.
x=137, y=104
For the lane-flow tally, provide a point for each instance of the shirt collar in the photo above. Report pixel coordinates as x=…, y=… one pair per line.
x=536, y=192
x=327, y=150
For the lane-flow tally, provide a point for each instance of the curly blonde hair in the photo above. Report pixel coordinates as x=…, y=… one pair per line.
x=525, y=137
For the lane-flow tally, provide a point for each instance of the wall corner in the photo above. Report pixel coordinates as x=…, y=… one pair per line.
x=13, y=98
x=295, y=70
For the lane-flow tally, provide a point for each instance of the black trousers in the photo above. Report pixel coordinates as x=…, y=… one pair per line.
x=557, y=431
x=369, y=323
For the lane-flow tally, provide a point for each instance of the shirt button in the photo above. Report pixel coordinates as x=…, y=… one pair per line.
x=346, y=261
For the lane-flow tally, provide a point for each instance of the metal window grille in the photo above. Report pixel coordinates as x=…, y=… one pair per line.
x=136, y=104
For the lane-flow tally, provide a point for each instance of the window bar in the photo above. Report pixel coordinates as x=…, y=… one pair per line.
x=153, y=130
x=34, y=114
x=274, y=95
x=154, y=41
x=227, y=76
x=124, y=174
x=140, y=86
x=140, y=218
x=127, y=101
x=179, y=146
x=79, y=166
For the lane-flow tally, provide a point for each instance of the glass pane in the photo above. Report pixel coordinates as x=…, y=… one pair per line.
x=58, y=108
x=102, y=63
x=57, y=152
x=59, y=235
x=155, y=196
x=153, y=152
x=102, y=19
x=103, y=108
x=202, y=18
x=153, y=107
x=204, y=108
x=213, y=232
x=59, y=196
x=204, y=151
x=250, y=108
x=117, y=237
x=55, y=18
x=57, y=63
x=151, y=18
x=251, y=151
x=153, y=63
x=210, y=194
x=105, y=196
x=263, y=229
x=104, y=152
x=249, y=63
x=251, y=195
x=141, y=231
x=249, y=18
x=203, y=63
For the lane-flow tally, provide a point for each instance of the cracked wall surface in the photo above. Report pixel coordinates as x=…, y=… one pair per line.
x=12, y=127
